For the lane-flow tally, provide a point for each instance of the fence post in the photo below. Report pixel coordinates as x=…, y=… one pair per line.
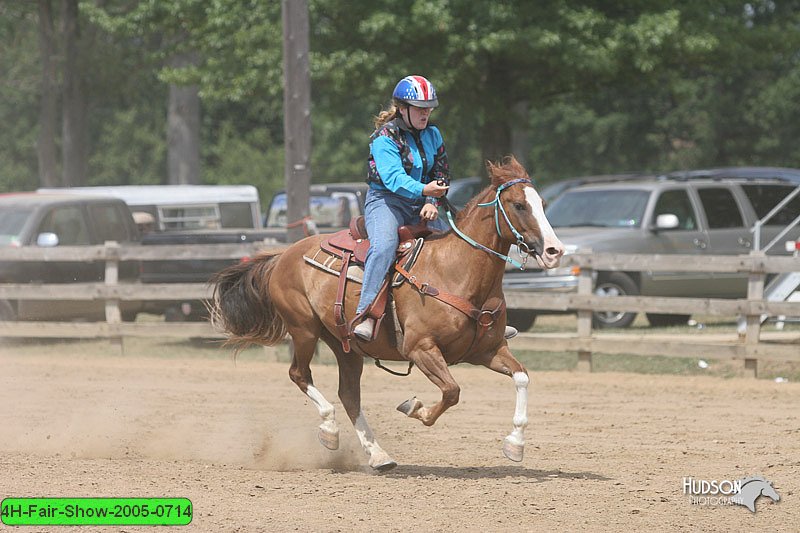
x=113, y=313
x=755, y=292
x=585, y=318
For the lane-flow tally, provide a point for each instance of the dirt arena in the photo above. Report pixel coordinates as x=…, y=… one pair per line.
x=605, y=451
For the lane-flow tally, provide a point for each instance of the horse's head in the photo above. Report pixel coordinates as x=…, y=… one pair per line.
x=521, y=216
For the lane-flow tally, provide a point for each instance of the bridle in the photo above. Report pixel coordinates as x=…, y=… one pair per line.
x=524, y=251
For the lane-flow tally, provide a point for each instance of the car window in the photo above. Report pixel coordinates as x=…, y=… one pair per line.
x=12, y=219
x=677, y=202
x=236, y=215
x=615, y=208
x=68, y=223
x=108, y=223
x=720, y=208
x=764, y=197
x=181, y=217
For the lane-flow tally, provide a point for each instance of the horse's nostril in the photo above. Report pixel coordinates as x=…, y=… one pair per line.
x=553, y=251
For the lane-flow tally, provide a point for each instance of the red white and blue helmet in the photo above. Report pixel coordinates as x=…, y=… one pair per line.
x=416, y=91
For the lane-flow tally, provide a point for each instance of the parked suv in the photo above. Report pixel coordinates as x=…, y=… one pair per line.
x=676, y=214
x=48, y=220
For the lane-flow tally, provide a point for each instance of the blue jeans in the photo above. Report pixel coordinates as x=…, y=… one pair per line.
x=384, y=213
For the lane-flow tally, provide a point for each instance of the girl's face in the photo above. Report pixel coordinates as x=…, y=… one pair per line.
x=418, y=116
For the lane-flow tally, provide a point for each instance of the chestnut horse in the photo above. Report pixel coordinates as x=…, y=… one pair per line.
x=259, y=301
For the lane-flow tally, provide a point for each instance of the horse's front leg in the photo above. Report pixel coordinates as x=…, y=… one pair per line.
x=428, y=358
x=505, y=363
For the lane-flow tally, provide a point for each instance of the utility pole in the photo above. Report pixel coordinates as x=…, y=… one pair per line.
x=296, y=117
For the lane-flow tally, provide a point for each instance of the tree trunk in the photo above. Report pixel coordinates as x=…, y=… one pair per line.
x=75, y=136
x=496, y=130
x=46, y=145
x=296, y=117
x=183, y=129
x=496, y=137
x=520, y=140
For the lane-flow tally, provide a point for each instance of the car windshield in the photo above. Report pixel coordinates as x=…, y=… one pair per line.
x=328, y=211
x=617, y=208
x=11, y=222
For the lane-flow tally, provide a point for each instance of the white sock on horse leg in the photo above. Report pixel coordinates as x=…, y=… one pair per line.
x=377, y=456
x=327, y=412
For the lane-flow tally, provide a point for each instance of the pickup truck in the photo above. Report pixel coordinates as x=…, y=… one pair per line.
x=193, y=270
x=52, y=219
x=331, y=206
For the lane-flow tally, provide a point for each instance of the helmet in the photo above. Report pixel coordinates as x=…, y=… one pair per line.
x=416, y=91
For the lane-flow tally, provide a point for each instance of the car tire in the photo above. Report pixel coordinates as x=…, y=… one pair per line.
x=522, y=319
x=614, y=284
x=659, y=320
x=7, y=311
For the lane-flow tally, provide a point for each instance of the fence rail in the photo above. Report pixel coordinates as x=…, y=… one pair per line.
x=750, y=348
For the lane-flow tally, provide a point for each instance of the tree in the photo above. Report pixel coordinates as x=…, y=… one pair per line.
x=75, y=129
x=48, y=112
x=183, y=127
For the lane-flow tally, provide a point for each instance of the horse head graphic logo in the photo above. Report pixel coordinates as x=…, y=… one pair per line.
x=752, y=488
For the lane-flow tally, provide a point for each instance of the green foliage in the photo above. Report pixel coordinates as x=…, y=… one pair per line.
x=610, y=86
x=19, y=109
x=130, y=149
x=253, y=159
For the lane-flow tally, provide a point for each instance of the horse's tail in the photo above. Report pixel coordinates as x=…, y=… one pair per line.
x=241, y=305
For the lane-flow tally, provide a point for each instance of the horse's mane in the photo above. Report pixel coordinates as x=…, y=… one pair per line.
x=507, y=170
x=499, y=173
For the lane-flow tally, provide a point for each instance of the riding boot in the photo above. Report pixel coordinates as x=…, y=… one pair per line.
x=511, y=332
x=364, y=330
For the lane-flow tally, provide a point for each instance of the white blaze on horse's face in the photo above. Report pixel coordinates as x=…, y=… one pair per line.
x=550, y=254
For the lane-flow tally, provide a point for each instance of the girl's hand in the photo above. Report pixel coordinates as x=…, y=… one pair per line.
x=429, y=212
x=434, y=189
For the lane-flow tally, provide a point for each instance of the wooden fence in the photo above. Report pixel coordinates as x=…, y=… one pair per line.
x=749, y=348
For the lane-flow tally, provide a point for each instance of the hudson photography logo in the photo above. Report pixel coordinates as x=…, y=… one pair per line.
x=743, y=491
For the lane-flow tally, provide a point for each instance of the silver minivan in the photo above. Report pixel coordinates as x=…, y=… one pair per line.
x=662, y=215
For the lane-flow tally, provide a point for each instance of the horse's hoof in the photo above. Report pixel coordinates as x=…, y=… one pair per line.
x=328, y=438
x=409, y=407
x=384, y=466
x=513, y=450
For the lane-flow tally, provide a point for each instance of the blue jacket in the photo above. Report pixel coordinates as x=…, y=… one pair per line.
x=396, y=162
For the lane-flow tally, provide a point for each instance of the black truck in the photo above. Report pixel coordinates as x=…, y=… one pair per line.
x=48, y=220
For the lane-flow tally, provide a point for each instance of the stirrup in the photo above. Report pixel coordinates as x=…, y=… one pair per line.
x=510, y=332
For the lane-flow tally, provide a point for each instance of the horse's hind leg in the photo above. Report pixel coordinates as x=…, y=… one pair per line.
x=350, y=368
x=505, y=363
x=302, y=347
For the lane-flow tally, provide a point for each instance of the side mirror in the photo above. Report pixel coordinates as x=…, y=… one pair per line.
x=666, y=221
x=47, y=240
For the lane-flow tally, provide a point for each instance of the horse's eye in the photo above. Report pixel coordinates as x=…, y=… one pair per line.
x=519, y=207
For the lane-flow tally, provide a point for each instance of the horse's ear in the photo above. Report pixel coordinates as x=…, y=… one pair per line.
x=495, y=174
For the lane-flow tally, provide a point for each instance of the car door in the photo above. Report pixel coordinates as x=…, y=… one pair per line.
x=69, y=224
x=688, y=238
x=728, y=234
